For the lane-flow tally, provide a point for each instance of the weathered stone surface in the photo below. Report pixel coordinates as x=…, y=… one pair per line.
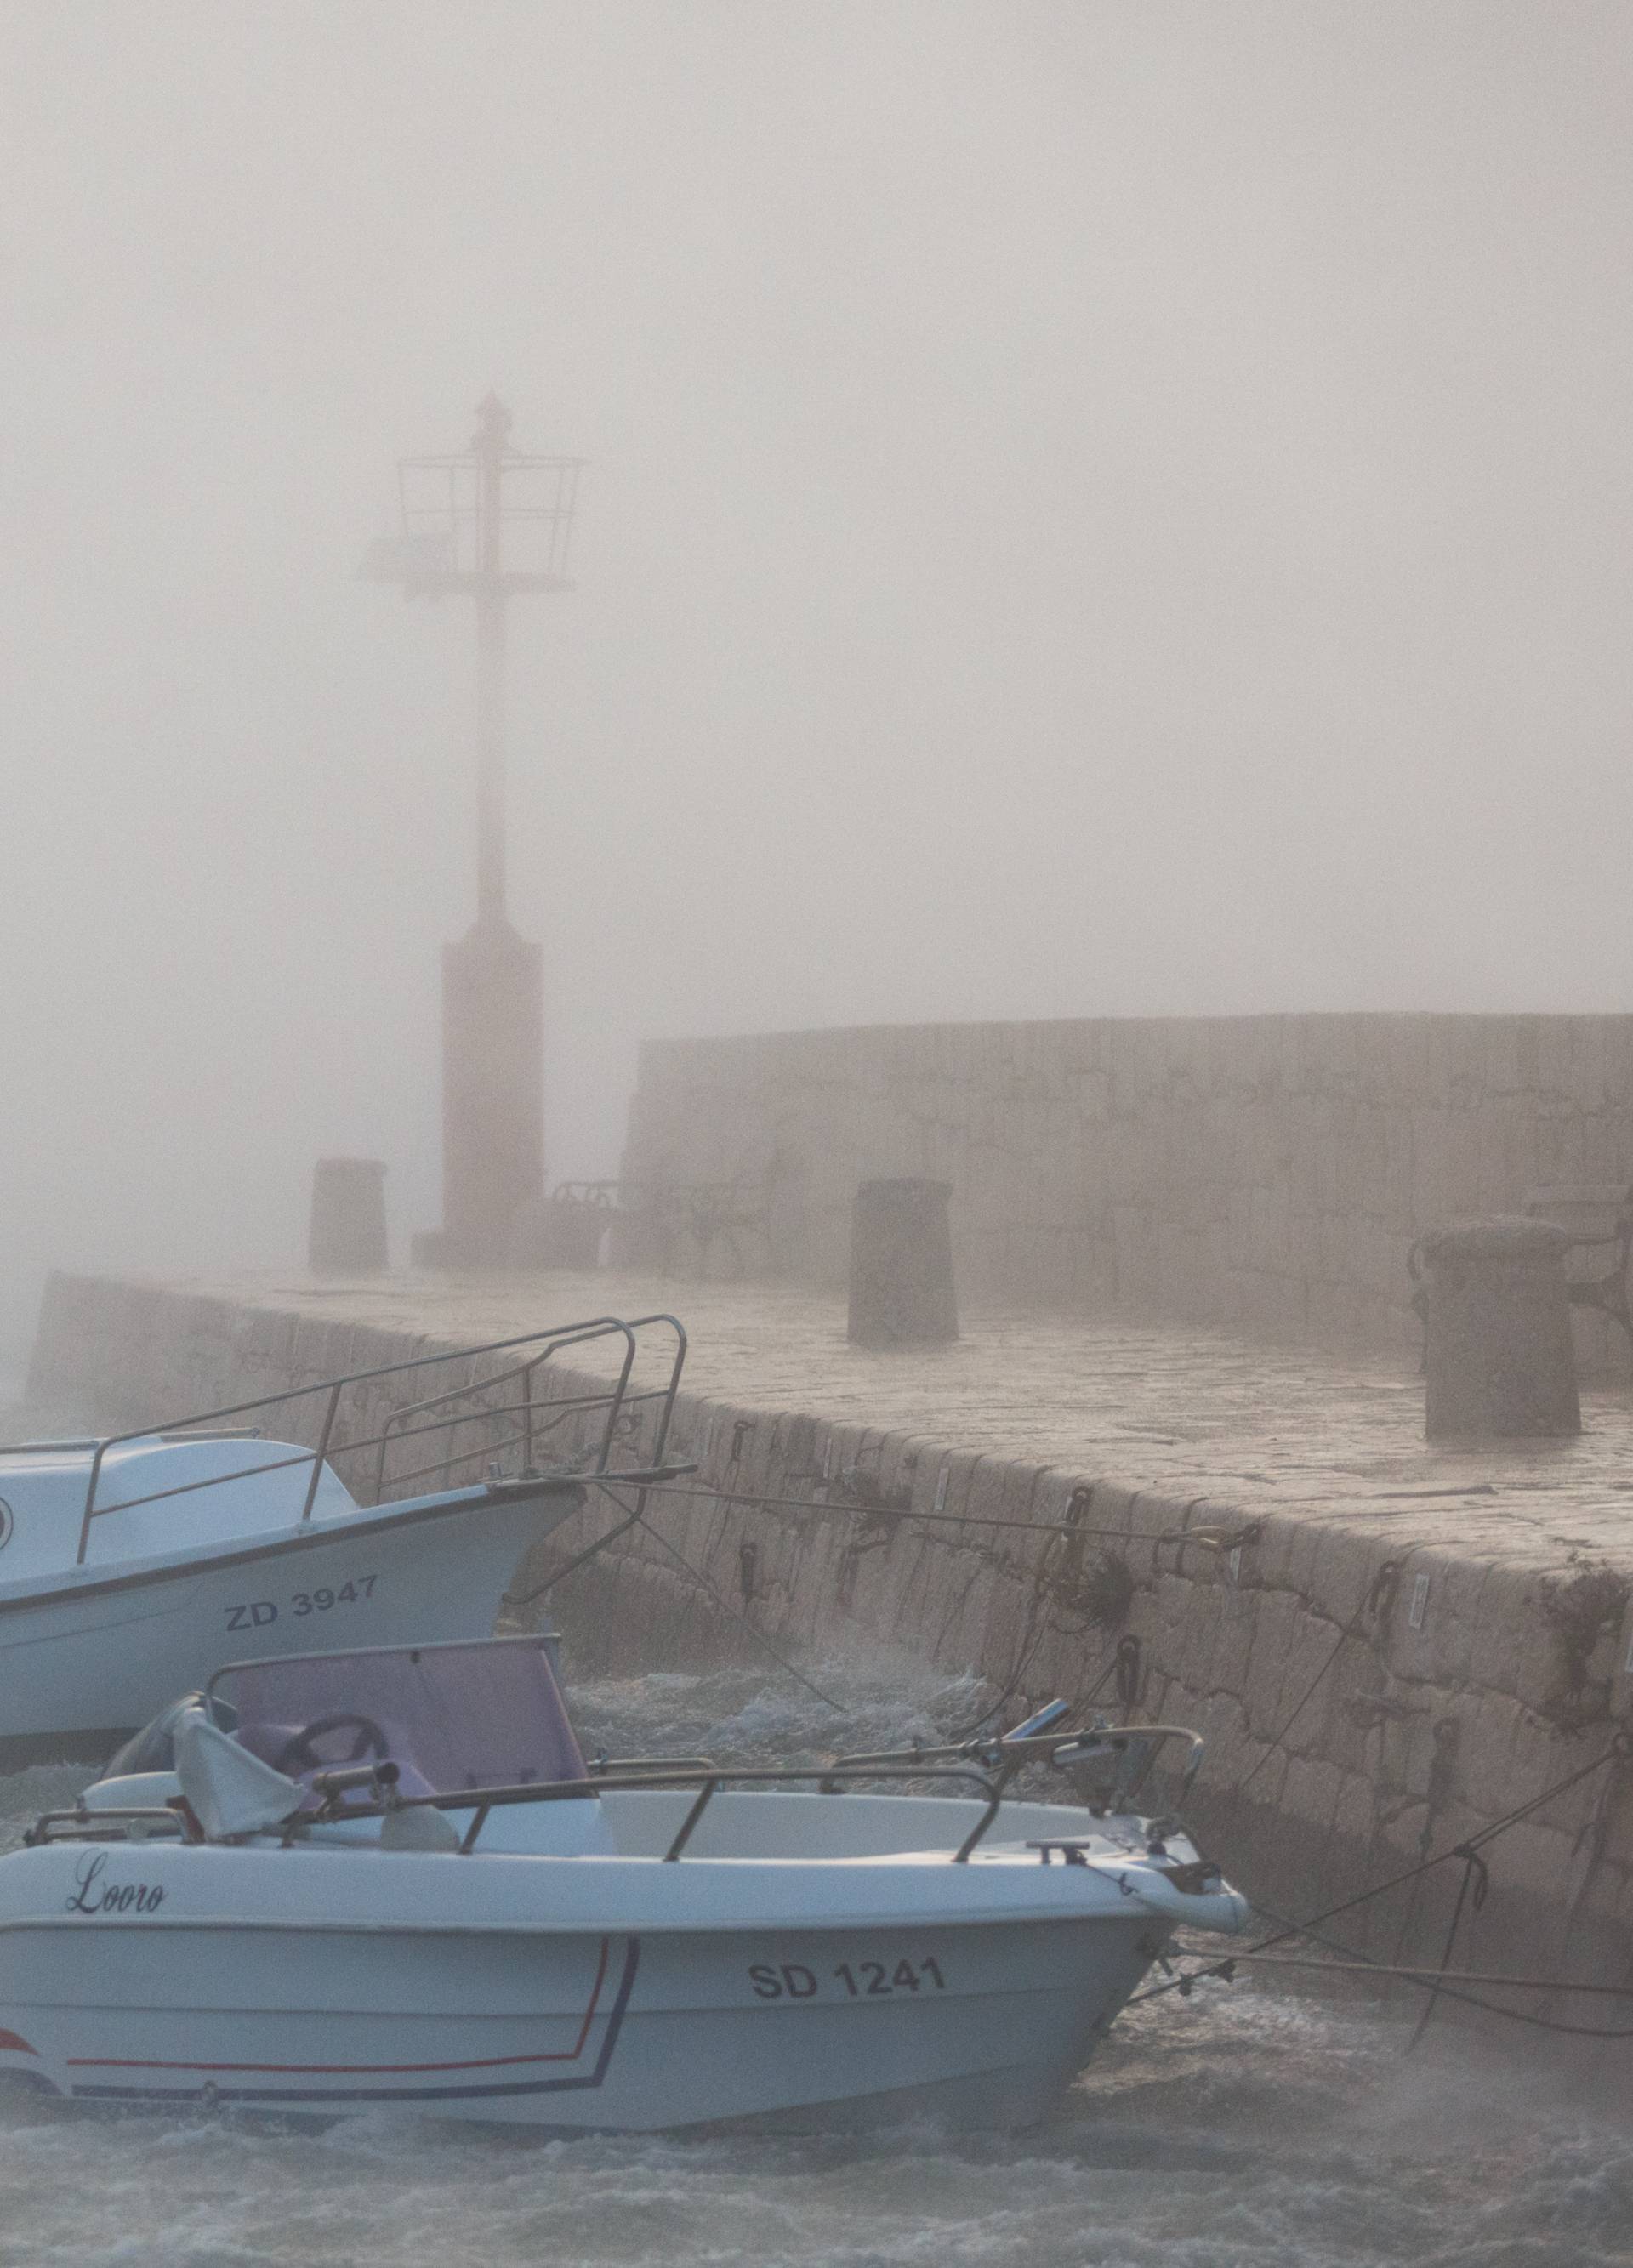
x=1267, y=1173
x=1355, y=1723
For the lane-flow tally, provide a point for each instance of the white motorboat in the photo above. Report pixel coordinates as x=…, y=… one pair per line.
x=388, y=1879
x=131, y=1567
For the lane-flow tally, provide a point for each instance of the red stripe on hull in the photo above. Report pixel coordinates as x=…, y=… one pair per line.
x=351, y=2070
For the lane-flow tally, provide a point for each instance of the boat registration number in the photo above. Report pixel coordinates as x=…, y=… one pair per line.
x=852, y=1980
x=255, y=1614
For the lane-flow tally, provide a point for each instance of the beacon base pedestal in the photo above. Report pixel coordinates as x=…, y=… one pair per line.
x=493, y=1097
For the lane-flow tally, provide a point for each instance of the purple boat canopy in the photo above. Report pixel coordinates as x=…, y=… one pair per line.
x=487, y=1714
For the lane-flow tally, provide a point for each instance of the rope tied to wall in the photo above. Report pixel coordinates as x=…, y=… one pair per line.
x=1477, y=1878
x=1473, y=1889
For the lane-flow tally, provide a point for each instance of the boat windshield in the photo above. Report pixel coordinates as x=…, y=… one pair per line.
x=486, y=1714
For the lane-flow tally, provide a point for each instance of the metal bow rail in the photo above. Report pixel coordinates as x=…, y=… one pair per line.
x=1130, y=1750
x=475, y=1424
x=987, y=1767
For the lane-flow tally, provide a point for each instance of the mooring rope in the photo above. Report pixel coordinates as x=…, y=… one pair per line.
x=727, y=1608
x=1276, y=1739
x=724, y=1493
x=638, y=1519
x=1435, y=1981
x=1477, y=1878
x=1444, y=1984
x=1441, y=1982
x=1433, y=1976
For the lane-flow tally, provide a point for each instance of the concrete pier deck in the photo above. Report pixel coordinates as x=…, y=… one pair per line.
x=1187, y=1412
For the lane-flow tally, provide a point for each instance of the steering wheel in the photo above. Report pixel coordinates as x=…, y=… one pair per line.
x=299, y=1753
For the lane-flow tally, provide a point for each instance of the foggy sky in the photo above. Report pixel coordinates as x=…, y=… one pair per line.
x=1091, y=509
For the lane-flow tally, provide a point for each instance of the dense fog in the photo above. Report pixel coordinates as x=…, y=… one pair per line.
x=1090, y=509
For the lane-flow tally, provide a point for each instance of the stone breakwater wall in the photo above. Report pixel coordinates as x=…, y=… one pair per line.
x=1368, y=1698
x=1265, y=1174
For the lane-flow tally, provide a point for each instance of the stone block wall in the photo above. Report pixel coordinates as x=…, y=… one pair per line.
x=1367, y=1701
x=1370, y=1698
x=1265, y=1174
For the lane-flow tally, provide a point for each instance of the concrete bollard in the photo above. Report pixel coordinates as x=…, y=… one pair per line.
x=902, y=1290
x=1499, y=1359
x=348, y=1231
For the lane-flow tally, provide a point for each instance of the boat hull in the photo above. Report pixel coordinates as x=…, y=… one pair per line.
x=628, y=2030
x=82, y=1668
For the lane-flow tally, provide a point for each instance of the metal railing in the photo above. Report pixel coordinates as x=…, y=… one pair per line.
x=669, y=1215
x=1130, y=1751
x=125, y=1823
x=533, y=1421
x=86, y=1824
x=694, y=1772
x=988, y=1767
x=498, y=1426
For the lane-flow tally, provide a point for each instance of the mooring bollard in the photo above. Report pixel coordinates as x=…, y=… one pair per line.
x=1499, y=1359
x=348, y=1231
x=902, y=1290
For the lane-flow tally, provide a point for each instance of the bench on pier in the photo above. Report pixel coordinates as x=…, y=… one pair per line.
x=1598, y=1218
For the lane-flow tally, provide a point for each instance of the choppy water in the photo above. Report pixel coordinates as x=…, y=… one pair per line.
x=1244, y=2128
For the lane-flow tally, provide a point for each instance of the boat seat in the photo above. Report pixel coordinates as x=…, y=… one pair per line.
x=418, y=1830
